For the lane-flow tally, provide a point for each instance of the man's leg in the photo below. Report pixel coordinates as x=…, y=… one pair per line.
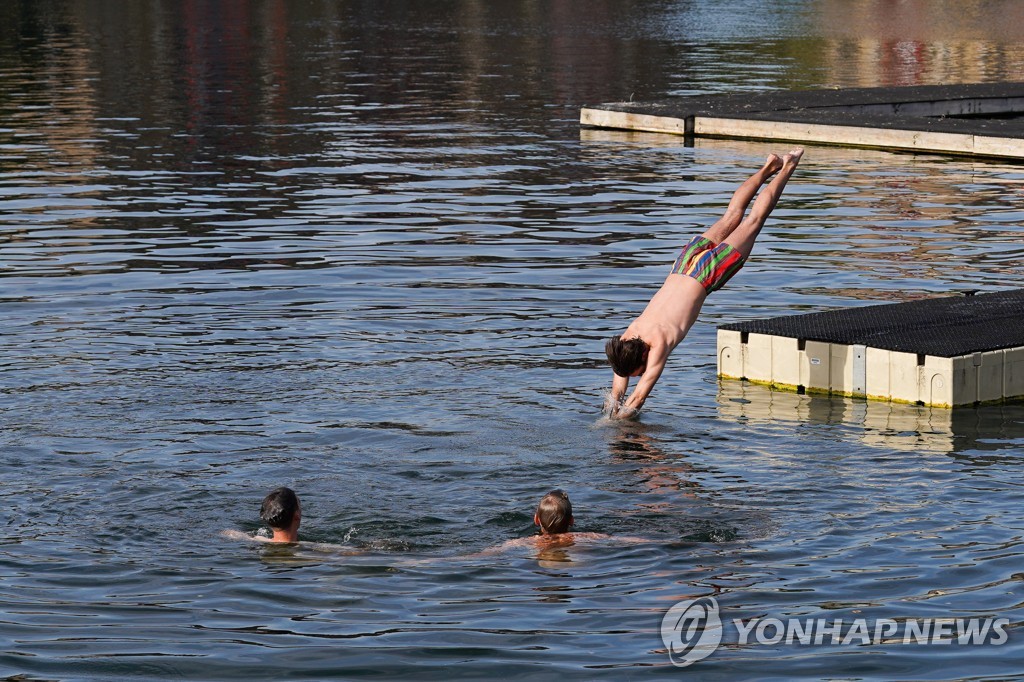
x=742, y=238
x=740, y=200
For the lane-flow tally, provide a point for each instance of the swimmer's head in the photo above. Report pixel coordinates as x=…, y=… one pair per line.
x=627, y=357
x=554, y=513
x=280, y=509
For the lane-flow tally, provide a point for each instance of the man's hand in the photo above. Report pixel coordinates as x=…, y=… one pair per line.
x=614, y=409
x=655, y=366
x=626, y=413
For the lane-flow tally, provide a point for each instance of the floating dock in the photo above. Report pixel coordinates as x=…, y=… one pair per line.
x=941, y=352
x=974, y=120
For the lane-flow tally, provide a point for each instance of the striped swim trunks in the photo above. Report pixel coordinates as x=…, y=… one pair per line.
x=710, y=264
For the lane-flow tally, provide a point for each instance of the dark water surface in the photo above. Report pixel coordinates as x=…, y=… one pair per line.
x=365, y=250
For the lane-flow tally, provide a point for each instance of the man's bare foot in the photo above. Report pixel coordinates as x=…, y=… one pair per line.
x=793, y=157
x=772, y=165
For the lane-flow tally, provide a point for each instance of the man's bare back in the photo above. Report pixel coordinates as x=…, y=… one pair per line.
x=704, y=265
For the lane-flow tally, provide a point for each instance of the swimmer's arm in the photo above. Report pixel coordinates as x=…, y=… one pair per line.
x=239, y=535
x=341, y=550
x=500, y=549
x=630, y=539
x=624, y=539
x=655, y=366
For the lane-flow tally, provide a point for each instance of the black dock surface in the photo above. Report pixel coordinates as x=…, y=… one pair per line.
x=943, y=327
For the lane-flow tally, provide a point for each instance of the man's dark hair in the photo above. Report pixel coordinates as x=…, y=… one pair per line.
x=555, y=512
x=626, y=356
x=279, y=508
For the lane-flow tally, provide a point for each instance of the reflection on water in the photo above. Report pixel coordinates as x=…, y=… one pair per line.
x=364, y=250
x=874, y=42
x=892, y=426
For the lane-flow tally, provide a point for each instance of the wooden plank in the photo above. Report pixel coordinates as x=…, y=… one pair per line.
x=885, y=138
x=605, y=118
x=1006, y=147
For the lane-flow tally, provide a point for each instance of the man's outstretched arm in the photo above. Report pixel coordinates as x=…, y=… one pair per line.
x=655, y=366
x=643, y=388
